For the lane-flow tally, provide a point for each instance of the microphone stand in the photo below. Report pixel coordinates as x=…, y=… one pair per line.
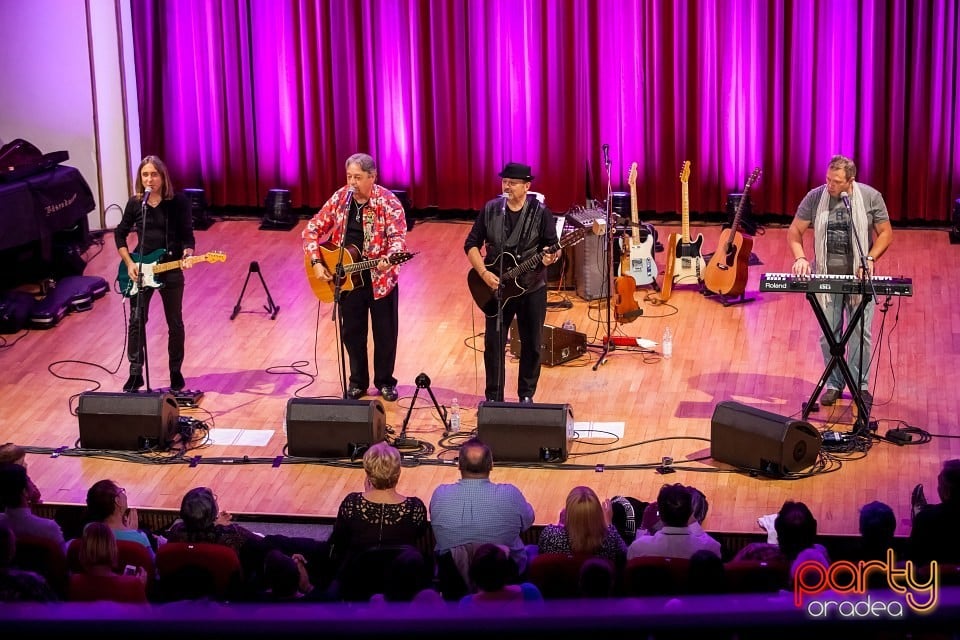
x=865, y=279
x=141, y=300
x=501, y=343
x=608, y=276
x=423, y=382
x=337, y=312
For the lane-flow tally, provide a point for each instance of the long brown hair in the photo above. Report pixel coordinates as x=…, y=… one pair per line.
x=166, y=191
x=584, y=520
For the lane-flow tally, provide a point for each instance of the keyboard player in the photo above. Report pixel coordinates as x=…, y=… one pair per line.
x=850, y=222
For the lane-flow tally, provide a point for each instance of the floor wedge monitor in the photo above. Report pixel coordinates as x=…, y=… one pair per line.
x=517, y=432
x=761, y=440
x=127, y=421
x=324, y=428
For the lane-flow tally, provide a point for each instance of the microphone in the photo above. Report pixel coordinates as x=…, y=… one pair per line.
x=846, y=200
x=503, y=209
x=606, y=154
x=146, y=196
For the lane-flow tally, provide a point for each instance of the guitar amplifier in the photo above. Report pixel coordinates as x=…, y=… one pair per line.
x=558, y=345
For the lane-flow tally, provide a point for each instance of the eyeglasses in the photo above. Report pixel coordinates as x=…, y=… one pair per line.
x=507, y=182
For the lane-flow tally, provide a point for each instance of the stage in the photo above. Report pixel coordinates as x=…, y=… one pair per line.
x=763, y=354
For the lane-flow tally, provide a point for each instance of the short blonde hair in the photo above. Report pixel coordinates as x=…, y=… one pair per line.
x=382, y=465
x=98, y=546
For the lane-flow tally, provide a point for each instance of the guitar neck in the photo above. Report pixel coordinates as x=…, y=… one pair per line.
x=166, y=266
x=634, y=217
x=360, y=266
x=685, y=214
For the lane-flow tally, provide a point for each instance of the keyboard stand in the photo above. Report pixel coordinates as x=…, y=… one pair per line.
x=837, y=350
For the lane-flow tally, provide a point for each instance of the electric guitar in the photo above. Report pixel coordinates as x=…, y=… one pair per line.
x=726, y=272
x=488, y=299
x=684, y=261
x=151, y=267
x=350, y=274
x=637, y=260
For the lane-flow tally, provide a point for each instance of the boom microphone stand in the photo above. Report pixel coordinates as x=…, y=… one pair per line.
x=609, y=272
x=140, y=302
x=338, y=276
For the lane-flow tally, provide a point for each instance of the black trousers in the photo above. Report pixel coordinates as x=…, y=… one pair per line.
x=530, y=310
x=171, y=295
x=360, y=312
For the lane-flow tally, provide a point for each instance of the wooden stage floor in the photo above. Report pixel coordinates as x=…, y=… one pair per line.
x=763, y=354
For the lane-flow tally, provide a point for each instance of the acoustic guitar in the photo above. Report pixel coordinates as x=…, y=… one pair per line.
x=685, y=264
x=726, y=273
x=151, y=266
x=637, y=260
x=350, y=275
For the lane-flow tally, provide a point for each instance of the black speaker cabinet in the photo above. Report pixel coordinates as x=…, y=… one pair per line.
x=518, y=432
x=761, y=440
x=127, y=421
x=324, y=428
x=557, y=345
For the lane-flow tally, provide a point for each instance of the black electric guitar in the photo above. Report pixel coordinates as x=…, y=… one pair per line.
x=487, y=298
x=151, y=266
x=352, y=268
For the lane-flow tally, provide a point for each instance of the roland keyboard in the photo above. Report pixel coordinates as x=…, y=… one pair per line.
x=837, y=284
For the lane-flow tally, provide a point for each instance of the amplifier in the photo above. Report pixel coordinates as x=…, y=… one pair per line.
x=558, y=345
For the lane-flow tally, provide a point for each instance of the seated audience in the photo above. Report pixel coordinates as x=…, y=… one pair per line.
x=495, y=575
x=408, y=580
x=17, y=585
x=15, y=496
x=585, y=528
x=14, y=454
x=706, y=573
x=99, y=579
x=627, y=515
x=936, y=527
x=107, y=503
x=597, y=579
x=795, y=531
x=476, y=510
x=878, y=526
x=286, y=579
x=675, y=539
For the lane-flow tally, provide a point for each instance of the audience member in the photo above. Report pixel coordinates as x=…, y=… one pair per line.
x=597, y=579
x=495, y=576
x=706, y=573
x=675, y=539
x=476, y=510
x=107, y=503
x=627, y=515
x=285, y=579
x=17, y=585
x=15, y=500
x=795, y=530
x=98, y=579
x=14, y=454
x=408, y=580
x=585, y=528
x=878, y=526
x=936, y=527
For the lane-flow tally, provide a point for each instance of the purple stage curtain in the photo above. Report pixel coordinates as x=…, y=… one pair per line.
x=241, y=96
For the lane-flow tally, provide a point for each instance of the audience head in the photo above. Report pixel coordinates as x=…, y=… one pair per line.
x=476, y=459
x=199, y=510
x=281, y=575
x=948, y=482
x=796, y=528
x=13, y=486
x=584, y=520
x=407, y=576
x=98, y=546
x=706, y=573
x=104, y=499
x=877, y=521
x=698, y=504
x=597, y=578
x=11, y=453
x=674, y=504
x=492, y=568
x=627, y=515
x=381, y=463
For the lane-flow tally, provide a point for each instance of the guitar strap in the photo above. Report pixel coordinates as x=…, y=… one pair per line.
x=520, y=230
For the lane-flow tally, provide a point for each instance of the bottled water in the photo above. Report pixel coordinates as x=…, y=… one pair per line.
x=667, y=343
x=454, y=416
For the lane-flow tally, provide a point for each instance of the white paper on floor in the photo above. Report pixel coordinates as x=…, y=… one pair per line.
x=599, y=429
x=241, y=437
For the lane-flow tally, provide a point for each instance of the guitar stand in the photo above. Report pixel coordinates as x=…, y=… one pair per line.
x=837, y=350
x=423, y=382
x=271, y=308
x=726, y=301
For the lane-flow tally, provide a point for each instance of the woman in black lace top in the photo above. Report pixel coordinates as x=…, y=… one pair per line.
x=379, y=516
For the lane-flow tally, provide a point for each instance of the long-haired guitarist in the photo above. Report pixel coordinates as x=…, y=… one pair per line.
x=164, y=225
x=365, y=217
x=512, y=229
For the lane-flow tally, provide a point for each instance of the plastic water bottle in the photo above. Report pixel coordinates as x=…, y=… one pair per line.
x=667, y=343
x=454, y=416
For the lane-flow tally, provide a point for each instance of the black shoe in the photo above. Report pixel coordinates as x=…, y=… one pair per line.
x=355, y=393
x=389, y=393
x=867, y=398
x=526, y=400
x=829, y=397
x=918, y=501
x=177, y=382
x=134, y=382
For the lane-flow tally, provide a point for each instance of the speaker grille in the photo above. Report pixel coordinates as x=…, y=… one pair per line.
x=127, y=421
x=324, y=428
x=517, y=432
x=756, y=439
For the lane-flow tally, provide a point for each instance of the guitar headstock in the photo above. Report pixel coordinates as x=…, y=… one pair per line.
x=212, y=256
x=685, y=171
x=754, y=175
x=572, y=238
x=400, y=257
x=632, y=177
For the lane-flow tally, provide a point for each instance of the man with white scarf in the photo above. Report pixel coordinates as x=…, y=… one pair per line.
x=839, y=237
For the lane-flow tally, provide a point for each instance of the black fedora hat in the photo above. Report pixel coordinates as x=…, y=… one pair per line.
x=516, y=171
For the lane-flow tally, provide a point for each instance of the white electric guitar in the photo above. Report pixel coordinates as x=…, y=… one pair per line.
x=637, y=260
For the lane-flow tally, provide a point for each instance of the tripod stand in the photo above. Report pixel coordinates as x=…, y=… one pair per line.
x=271, y=308
x=423, y=382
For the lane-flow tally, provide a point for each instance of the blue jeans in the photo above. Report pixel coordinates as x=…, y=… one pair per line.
x=838, y=311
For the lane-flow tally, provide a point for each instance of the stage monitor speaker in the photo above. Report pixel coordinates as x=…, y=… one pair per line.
x=590, y=264
x=517, y=432
x=127, y=421
x=761, y=440
x=324, y=428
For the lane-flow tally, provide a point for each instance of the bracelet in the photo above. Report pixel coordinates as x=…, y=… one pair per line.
x=871, y=259
x=800, y=258
x=316, y=261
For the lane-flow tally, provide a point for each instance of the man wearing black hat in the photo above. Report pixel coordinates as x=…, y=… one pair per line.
x=512, y=229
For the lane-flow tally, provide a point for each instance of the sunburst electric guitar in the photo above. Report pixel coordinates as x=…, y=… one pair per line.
x=685, y=264
x=726, y=272
x=637, y=260
x=151, y=266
